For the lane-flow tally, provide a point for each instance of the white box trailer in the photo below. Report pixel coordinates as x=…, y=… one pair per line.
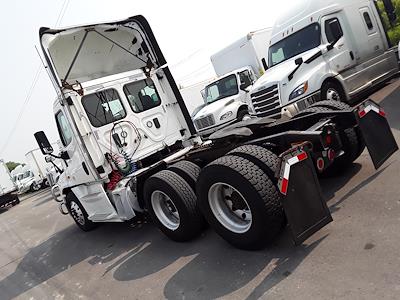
x=7, y=187
x=192, y=95
x=247, y=51
x=37, y=163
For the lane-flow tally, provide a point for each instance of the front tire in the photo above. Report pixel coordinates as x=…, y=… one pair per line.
x=172, y=205
x=243, y=115
x=240, y=202
x=34, y=187
x=78, y=213
x=333, y=91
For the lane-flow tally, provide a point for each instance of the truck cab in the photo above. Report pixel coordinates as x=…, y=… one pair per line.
x=225, y=101
x=118, y=111
x=329, y=50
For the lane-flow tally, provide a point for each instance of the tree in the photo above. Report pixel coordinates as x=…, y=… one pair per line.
x=12, y=165
x=393, y=31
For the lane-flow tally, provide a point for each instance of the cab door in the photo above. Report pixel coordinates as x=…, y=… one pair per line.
x=76, y=167
x=78, y=172
x=342, y=56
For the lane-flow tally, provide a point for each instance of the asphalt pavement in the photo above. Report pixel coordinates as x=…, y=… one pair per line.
x=43, y=255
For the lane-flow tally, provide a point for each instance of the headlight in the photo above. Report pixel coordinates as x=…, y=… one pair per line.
x=300, y=90
x=226, y=115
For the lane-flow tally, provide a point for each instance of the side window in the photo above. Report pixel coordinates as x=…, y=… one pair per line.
x=245, y=79
x=368, y=21
x=333, y=30
x=63, y=129
x=103, y=107
x=142, y=95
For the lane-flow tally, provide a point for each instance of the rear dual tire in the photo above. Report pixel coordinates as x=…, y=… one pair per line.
x=352, y=140
x=239, y=200
x=172, y=203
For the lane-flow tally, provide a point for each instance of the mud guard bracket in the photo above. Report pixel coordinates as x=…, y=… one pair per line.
x=303, y=203
x=376, y=132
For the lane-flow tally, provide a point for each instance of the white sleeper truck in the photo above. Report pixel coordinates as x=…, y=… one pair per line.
x=129, y=147
x=323, y=49
x=8, y=188
x=237, y=66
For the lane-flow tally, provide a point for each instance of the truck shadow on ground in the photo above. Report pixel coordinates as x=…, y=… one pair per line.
x=392, y=108
x=211, y=269
x=216, y=270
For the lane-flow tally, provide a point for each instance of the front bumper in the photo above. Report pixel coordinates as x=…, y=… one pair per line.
x=296, y=107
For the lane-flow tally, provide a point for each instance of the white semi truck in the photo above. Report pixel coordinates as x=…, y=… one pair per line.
x=237, y=66
x=8, y=188
x=129, y=147
x=329, y=50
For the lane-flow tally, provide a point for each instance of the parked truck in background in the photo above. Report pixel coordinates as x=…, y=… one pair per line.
x=39, y=167
x=25, y=179
x=329, y=50
x=237, y=66
x=129, y=146
x=8, y=188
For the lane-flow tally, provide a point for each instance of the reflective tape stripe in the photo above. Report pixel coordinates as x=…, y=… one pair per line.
x=373, y=108
x=286, y=173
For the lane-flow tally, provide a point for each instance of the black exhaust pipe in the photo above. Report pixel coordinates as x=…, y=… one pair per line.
x=390, y=11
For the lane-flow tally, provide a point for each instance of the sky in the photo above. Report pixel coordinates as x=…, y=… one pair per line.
x=188, y=32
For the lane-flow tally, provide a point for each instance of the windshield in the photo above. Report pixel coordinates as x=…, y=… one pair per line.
x=27, y=174
x=20, y=176
x=295, y=44
x=220, y=89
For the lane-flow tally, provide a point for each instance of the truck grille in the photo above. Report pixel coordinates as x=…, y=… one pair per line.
x=204, y=122
x=266, y=102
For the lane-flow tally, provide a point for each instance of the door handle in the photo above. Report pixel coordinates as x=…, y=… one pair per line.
x=85, y=168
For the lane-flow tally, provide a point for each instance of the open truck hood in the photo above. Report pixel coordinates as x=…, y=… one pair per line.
x=89, y=52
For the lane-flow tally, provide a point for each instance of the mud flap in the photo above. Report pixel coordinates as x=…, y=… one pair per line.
x=303, y=203
x=376, y=132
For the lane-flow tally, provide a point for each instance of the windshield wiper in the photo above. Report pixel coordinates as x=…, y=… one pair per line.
x=298, y=62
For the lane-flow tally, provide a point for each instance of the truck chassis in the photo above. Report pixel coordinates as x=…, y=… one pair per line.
x=252, y=178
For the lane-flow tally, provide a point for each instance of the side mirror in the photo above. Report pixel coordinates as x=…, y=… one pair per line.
x=244, y=86
x=43, y=143
x=299, y=61
x=64, y=155
x=265, y=65
x=49, y=158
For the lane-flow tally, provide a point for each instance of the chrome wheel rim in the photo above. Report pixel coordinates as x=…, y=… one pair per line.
x=35, y=187
x=230, y=208
x=165, y=210
x=246, y=117
x=332, y=94
x=77, y=213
